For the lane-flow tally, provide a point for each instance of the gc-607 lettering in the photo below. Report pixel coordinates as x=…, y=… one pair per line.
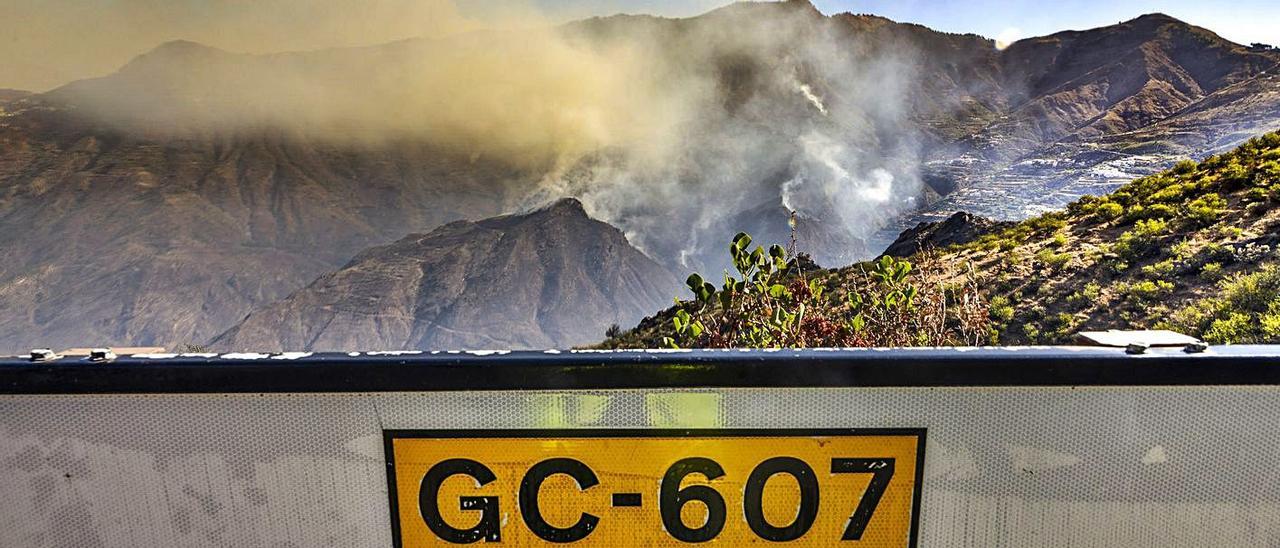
x=607, y=488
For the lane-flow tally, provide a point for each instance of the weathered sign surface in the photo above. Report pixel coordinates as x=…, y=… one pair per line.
x=834, y=464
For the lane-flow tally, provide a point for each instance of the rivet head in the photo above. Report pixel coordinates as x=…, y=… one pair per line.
x=43, y=355
x=101, y=355
x=1136, y=348
x=1196, y=347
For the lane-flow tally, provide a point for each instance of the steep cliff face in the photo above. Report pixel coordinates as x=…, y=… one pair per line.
x=551, y=278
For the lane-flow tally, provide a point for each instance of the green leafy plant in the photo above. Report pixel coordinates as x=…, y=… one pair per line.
x=1140, y=241
x=1211, y=272
x=1001, y=310
x=614, y=331
x=1146, y=291
x=1245, y=309
x=769, y=303
x=1207, y=209
x=1052, y=260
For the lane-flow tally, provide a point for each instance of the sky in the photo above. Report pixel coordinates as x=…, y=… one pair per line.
x=47, y=43
x=1243, y=21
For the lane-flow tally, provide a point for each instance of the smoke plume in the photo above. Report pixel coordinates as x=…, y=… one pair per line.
x=679, y=132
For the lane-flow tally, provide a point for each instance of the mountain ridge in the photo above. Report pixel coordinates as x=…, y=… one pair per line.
x=130, y=234
x=500, y=282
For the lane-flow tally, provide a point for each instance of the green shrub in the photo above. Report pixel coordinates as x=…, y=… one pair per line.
x=1141, y=240
x=1185, y=167
x=1147, y=290
x=1243, y=310
x=1230, y=232
x=1154, y=211
x=1234, y=176
x=1109, y=210
x=1270, y=323
x=1051, y=260
x=1214, y=252
x=1206, y=209
x=1160, y=270
x=1060, y=327
x=1172, y=194
x=1211, y=272
x=1150, y=228
x=1135, y=212
x=1268, y=173
x=1256, y=194
x=1234, y=327
x=1032, y=332
x=1001, y=310
x=1090, y=295
x=1183, y=250
x=1083, y=206
x=770, y=304
x=1047, y=223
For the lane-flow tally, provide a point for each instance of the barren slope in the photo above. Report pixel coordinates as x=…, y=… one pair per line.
x=551, y=278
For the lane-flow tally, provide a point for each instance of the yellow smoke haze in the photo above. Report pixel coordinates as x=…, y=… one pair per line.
x=669, y=129
x=515, y=87
x=47, y=43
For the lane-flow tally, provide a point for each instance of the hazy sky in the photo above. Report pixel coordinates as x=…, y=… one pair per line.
x=46, y=43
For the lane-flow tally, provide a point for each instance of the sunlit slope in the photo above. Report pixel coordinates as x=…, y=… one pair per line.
x=1195, y=249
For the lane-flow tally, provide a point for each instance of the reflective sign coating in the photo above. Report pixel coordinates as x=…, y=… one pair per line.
x=655, y=487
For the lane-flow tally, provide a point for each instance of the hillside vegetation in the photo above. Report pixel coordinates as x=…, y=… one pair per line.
x=1195, y=249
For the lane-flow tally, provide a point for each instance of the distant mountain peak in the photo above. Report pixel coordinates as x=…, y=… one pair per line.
x=13, y=94
x=547, y=278
x=804, y=4
x=183, y=45
x=765, y=7
x=564, y=205
x=175, y=51
x=1157, y=17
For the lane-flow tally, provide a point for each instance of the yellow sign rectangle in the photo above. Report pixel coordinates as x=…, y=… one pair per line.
x=655, y=487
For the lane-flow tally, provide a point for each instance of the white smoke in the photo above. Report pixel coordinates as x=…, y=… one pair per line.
x=829, y=181
x=807, y=92
x=783, y=110
x=679, y=132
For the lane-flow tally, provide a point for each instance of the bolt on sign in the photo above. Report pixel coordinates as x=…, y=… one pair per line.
x=655, y=487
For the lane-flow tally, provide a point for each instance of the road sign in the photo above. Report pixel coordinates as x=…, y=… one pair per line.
x=655, y=487
x=1083, y=447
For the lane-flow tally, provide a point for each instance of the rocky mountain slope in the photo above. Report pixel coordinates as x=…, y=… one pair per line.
x=111, y=238
x=960, y=228
x=1083, y=112
x=161, y=204
x=551, y=278
x=1195, y=249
